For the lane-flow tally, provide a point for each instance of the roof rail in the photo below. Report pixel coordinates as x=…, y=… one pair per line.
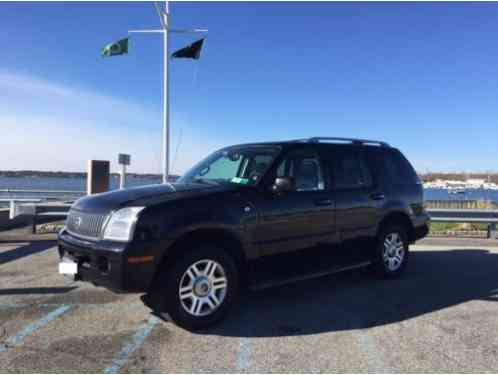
x=350, y=140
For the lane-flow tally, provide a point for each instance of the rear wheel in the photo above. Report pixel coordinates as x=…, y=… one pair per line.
x=392, y=251
x=200, y=287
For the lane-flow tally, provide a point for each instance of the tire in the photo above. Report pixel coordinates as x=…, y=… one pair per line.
x=391, y=252
x=203, y=300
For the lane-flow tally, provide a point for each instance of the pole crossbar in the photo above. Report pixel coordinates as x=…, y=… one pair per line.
x=158, y=31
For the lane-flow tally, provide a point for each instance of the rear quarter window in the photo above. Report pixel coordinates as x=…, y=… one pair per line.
x=396, y=168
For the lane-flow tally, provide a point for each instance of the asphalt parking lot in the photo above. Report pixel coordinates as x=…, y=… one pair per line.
x=441, y=316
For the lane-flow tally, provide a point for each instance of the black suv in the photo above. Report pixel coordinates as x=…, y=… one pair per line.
x=252, y=215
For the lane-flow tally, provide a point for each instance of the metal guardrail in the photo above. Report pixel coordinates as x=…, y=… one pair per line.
x=39, y=209
x=18, y=199
x=446, y=215
x=14, y=205
x=36, y=204
x=31, y=191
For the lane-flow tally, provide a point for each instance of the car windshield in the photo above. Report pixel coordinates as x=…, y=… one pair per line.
x=243, y=165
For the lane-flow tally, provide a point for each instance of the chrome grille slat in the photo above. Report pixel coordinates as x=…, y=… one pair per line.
x=85, y=224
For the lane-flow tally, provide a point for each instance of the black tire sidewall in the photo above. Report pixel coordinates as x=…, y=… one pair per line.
x=171, y=302
x=380, y=265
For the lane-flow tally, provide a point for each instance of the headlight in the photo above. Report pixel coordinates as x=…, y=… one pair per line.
x=121, y=225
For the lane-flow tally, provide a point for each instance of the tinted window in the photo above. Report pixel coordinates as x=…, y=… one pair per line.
x=398, y=169
x=304, y=167
x=350, y=170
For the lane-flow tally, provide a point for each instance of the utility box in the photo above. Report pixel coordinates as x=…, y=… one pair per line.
x=97, y=179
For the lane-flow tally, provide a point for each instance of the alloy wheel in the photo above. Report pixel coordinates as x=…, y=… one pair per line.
x=394, y=251
x=203, y=287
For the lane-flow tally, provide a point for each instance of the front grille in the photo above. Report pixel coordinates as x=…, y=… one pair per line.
x=85, y=224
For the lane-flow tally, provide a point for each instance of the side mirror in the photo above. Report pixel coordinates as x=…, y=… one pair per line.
x=283, y=185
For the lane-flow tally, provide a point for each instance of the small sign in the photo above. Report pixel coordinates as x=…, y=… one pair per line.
x=124, y=159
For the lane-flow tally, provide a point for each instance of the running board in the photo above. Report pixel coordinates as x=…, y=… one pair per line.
x=313, y=275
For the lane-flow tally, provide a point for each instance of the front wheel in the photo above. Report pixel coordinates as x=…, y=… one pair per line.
x=392, y=251
x=200, y=288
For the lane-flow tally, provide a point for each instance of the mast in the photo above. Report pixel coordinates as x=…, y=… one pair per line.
x=164, y=16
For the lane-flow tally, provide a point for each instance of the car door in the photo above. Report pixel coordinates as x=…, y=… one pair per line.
x=354, y=192
x=296, y=219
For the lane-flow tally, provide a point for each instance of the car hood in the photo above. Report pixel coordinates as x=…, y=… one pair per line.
x=145, y=196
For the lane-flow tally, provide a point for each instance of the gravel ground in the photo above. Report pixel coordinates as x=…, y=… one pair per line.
x=442, y=316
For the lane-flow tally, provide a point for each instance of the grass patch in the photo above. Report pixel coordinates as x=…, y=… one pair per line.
x=442, y=227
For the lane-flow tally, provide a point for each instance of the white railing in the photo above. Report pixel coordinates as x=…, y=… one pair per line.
x=14, y=199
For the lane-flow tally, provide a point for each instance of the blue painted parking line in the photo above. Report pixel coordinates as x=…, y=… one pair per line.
x=135, y=342
x=18, y=338
x=243, y=354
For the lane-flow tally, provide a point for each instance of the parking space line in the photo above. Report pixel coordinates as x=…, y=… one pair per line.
x=136, y=341
x=31, y=328
x=243, y=354
x=369, y=349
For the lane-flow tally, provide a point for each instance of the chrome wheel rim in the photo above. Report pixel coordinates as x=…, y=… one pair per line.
x=203, y=287
x=394, y=251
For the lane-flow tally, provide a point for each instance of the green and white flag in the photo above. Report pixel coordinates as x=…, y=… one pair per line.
x=117, y=48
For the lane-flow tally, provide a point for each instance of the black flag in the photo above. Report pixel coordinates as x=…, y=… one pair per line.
x=192, y=51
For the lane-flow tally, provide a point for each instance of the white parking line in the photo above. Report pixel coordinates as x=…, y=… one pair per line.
x=18, y=338
x=136, y=341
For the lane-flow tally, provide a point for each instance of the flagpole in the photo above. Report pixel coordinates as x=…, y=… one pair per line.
x=166, y=133
x=165, y=30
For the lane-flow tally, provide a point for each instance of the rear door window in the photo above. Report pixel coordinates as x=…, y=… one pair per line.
x=347, y=168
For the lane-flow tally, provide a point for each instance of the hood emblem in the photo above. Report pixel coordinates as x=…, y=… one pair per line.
x=77, y=221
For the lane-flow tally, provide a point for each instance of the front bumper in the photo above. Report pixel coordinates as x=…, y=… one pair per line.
x=106, y=263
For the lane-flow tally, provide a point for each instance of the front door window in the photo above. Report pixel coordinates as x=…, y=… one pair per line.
x=304, y=167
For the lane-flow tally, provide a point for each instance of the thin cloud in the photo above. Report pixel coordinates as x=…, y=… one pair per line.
x=51, y=126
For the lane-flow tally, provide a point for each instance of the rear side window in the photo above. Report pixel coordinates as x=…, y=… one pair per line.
x=348, y=169
x=398, y=169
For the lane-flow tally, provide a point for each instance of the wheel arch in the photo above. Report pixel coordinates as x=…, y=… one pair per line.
x=399, y=218
x=216, y=236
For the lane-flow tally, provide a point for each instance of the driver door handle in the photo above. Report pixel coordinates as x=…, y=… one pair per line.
x=323, y=202
x=377, y=196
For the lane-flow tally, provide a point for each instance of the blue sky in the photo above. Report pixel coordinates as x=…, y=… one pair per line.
x=422, y=76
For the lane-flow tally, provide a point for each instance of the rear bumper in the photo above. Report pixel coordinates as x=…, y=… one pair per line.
x=421, y=224
x=107, y=264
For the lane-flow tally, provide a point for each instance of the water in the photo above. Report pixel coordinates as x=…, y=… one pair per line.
x=477, y=194
x=65, y=183
x=75, y=185
x=79, y=184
